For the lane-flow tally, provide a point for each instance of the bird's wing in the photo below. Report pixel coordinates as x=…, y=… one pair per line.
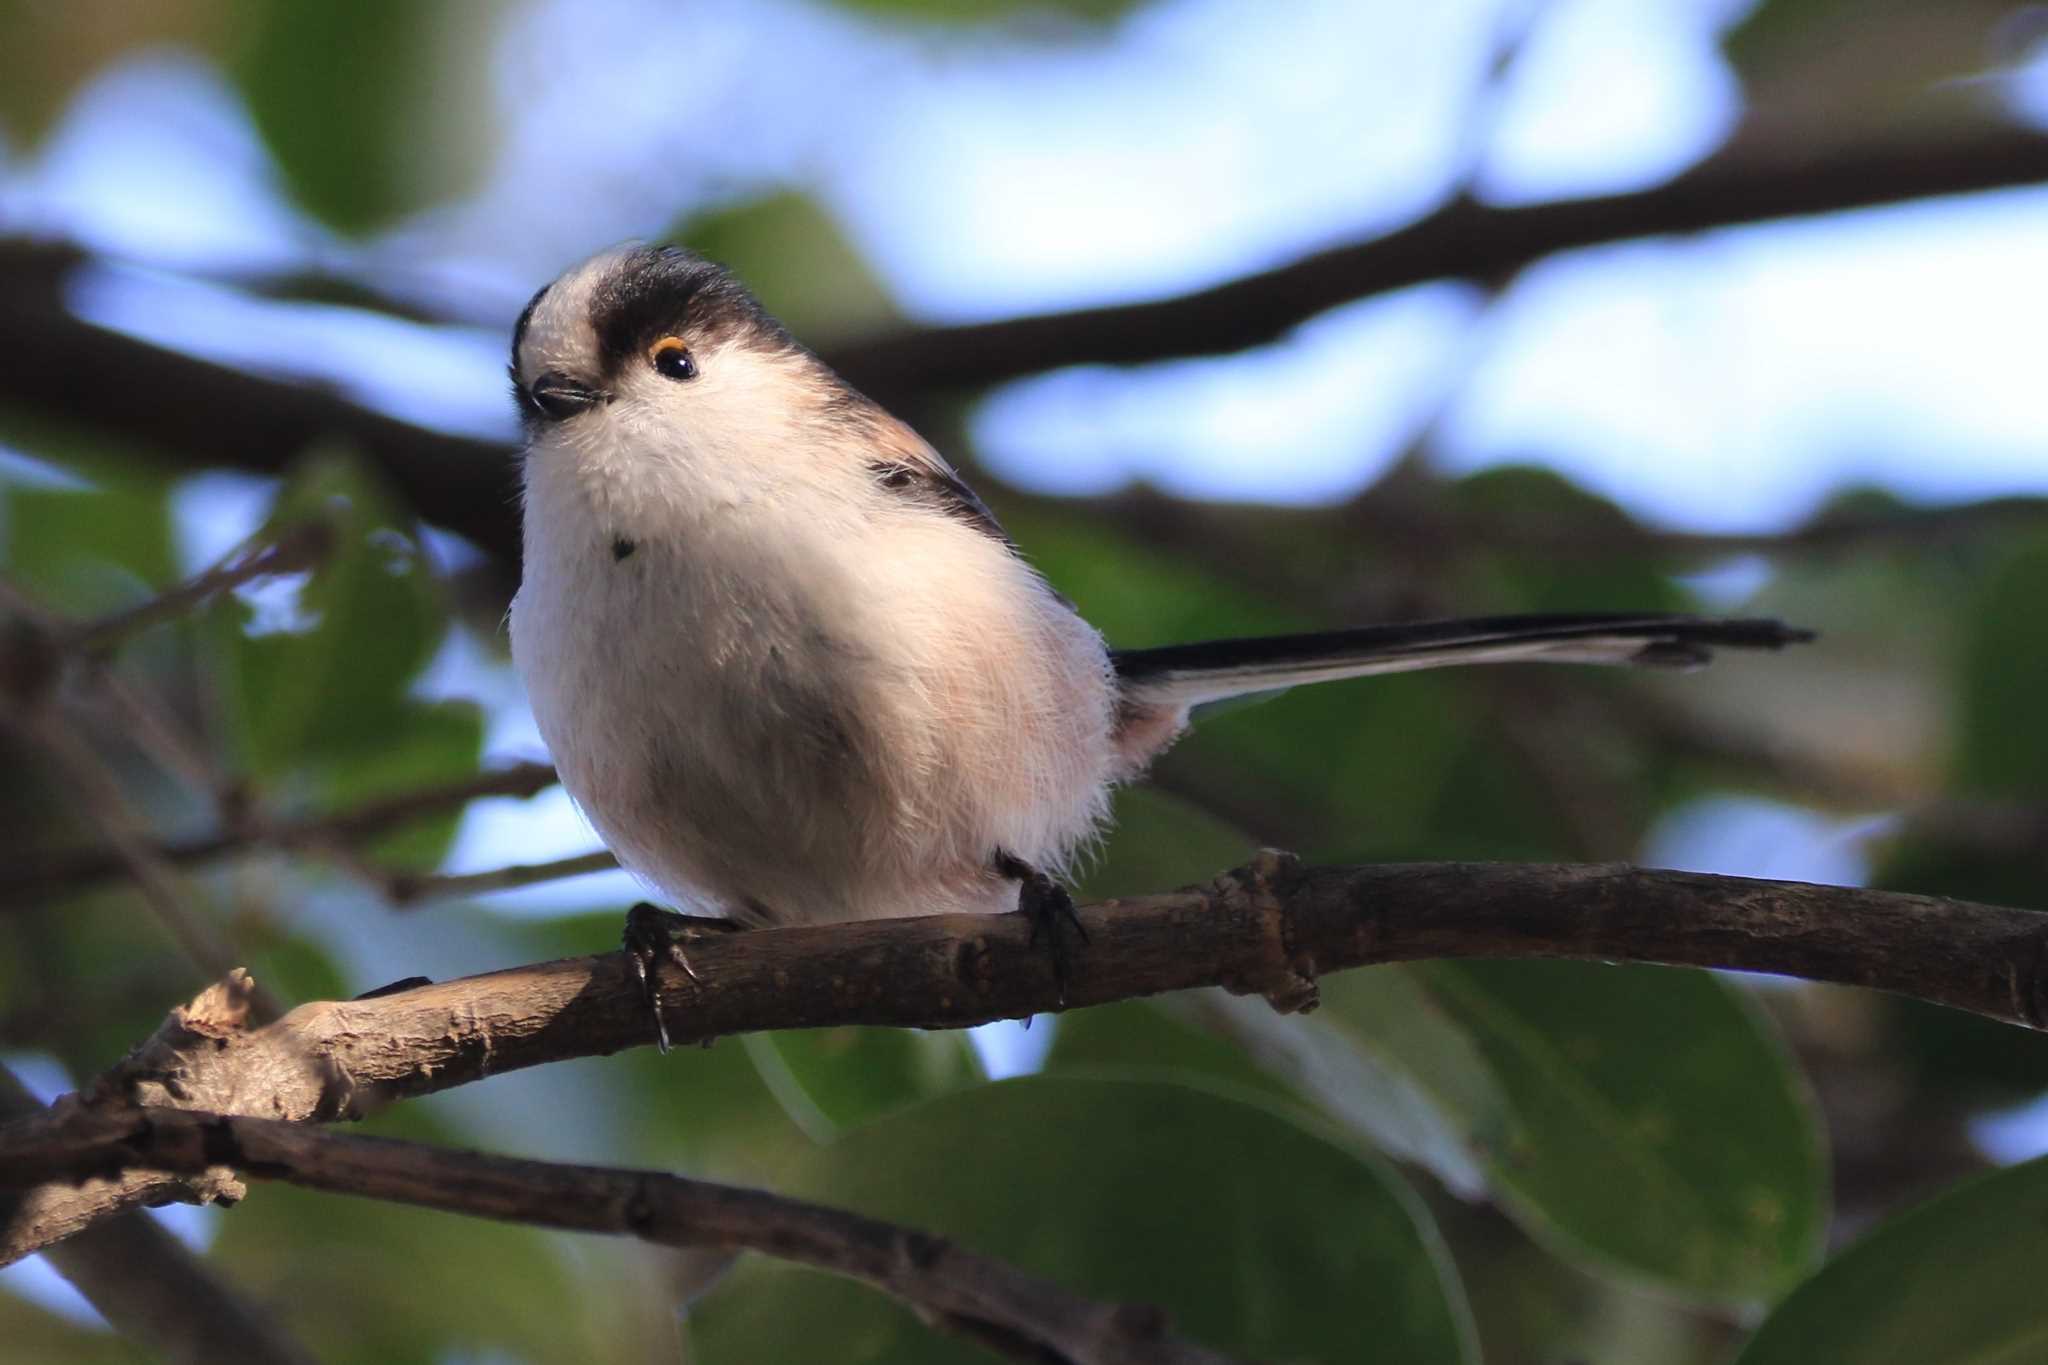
x=906, y=466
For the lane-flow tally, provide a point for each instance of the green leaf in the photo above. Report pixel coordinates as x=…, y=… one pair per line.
x=1255, y=1234
x=1385, y=1059
x=1513, y=579
x=87, y=975
x=356, y=101
x=1583, y=1100
x=798, y=261
x=1134, y=594
x=367, y=106
x=1378, y=1059
x=835, y=1078
x=335, y=670
x=1956, y=1281
x=1658, y=1127
x=1825, y=74
x=292, y=966
x=2001, y=744
x=434, y=742
x=361, y=1280
x=85, y=551
x=1155, y=1039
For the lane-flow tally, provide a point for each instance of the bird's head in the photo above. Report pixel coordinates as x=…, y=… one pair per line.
x=656, y=349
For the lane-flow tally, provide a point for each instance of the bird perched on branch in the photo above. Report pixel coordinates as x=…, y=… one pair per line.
x=791, y=667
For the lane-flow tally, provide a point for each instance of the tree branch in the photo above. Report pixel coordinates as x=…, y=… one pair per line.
x=295, y=548
x=1462, y=240
x=154, y=1291
x=96, y=793
x=172, y=405
x=52, y=361
x=948, y=1286
x=1269, y=928
x=34, y=879
x=411, y=888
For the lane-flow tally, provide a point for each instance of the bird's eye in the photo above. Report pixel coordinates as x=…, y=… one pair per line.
x=673, y=358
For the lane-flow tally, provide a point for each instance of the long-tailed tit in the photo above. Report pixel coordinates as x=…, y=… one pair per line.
x=791, y=667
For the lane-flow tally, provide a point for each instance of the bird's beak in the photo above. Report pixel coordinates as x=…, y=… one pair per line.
x=556, y=396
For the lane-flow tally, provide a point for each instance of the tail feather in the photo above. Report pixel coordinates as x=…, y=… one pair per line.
x=1181, y=676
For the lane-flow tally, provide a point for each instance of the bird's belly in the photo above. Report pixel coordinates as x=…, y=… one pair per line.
x=715, y=752
x=761, y=742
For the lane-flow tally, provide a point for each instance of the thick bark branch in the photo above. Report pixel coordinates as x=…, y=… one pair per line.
x=154, y=1291
x=1269, y=929
x=949, y=1286
x=197, y=414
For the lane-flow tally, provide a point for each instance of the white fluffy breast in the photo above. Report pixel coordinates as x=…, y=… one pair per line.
x=797, y=695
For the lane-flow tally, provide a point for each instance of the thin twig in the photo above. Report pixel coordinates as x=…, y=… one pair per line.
x=295, y=548
x=944, y=1282
x=148, y=722
x=1270, y=929
x=406, y=888
x=34, y=879
x=99, y=800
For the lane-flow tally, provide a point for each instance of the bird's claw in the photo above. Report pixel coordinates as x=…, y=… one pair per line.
x=1050, y=909
x=653, y=934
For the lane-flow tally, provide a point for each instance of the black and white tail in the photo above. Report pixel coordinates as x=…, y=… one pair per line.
x=1182, y=676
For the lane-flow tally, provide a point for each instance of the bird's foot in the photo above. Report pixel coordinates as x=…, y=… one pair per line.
x=653, y=934
x=1050, y=908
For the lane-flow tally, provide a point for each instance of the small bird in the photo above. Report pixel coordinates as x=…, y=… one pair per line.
x=792, y=669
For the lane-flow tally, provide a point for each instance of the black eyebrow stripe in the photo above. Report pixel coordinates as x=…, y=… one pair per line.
x=654, y=291
x=519, y=327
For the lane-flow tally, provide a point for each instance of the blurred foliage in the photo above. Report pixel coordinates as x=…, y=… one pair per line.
x=1822, y=74
x=1612, y=1164
x=1945, y=1284
x=797, y=261
x=1655, y=1124
x=356, y=102
x=341, y=94
x=1259, y=1236
x=319, y=665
